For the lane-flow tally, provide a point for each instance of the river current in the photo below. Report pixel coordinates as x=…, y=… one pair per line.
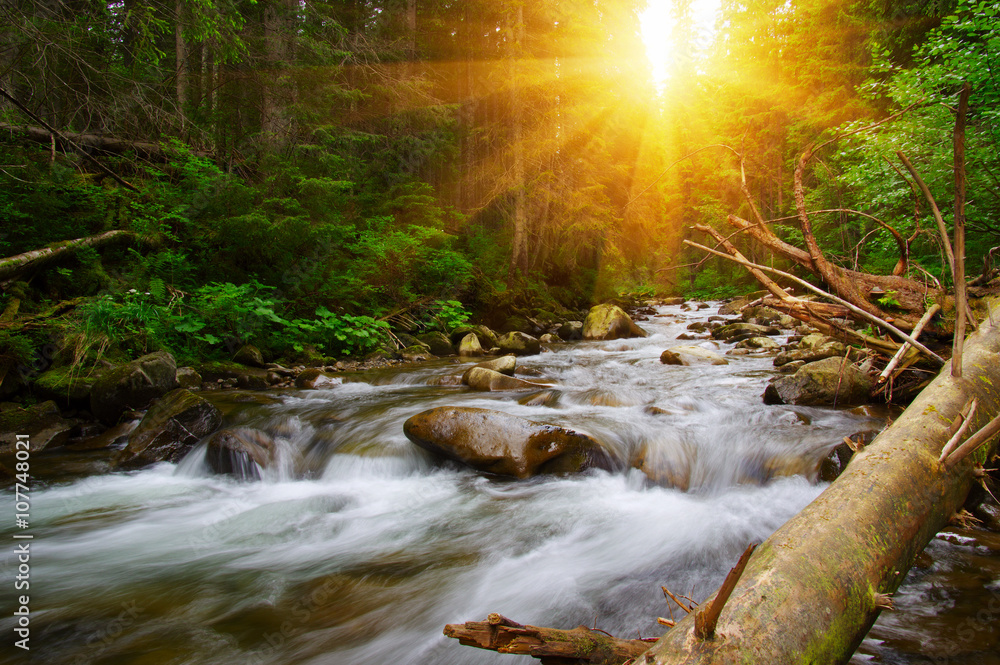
x=357, y=548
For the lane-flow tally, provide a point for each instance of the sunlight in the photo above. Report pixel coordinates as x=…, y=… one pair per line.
x=657, y=24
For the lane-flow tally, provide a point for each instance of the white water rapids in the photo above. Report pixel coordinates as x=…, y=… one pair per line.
x=358, y=548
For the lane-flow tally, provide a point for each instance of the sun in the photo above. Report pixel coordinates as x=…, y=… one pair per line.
x=657, y=23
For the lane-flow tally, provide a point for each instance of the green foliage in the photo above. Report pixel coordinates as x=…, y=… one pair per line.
x=130, y=319
x=446, y=315
x=889, y=299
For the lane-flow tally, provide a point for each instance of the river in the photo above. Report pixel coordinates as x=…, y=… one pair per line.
x=357, y=548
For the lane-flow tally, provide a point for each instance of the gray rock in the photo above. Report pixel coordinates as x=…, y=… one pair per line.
x=831, y=349
x=762, y=343
x=132, y=386
x=734, y=330
x=313, y=378
x=504, y=364
x=188, y=377
x=571, y=330
x=438, y=343
x=44, y=425
x=169, y=430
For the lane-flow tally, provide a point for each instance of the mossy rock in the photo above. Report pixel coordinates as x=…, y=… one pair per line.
x=609, y=321
x=132, y=386
x=169, y=430
x=42, y=423
x=65, y=384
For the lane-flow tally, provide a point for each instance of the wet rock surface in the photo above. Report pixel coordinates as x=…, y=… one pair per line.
x=503, y=444
x=169, y=430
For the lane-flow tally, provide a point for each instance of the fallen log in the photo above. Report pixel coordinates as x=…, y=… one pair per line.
x=813, y=589
x=551, y=646
x=13, y=266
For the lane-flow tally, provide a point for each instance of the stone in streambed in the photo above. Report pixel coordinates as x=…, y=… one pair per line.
x=438, y=343
x=821, y=383
x=169, y=430
x=42, y=423
x=503, y=444
x=691, y=355
x=470, y=346
x=519, y=343
x=479, y=378
x=239, y=452
x=608, y=322
x=504, y=364
x=132, y=386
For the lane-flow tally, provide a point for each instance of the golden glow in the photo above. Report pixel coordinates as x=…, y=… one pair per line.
x=657, y=23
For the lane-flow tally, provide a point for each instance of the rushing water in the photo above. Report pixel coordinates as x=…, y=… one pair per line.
x=357, y=548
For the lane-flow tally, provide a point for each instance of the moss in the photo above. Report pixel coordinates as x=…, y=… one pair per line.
x=64, y=383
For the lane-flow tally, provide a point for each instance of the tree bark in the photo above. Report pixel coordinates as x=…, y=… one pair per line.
x=14, y=266
x=813, y=589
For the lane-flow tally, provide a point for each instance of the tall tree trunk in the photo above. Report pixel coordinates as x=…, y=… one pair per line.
x=519, y=248
x=181, y=65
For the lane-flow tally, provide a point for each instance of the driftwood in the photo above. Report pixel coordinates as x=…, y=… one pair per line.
x=14, y=266
x=551, y=646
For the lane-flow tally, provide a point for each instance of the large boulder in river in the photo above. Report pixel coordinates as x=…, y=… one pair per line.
x=480, y=378
x=609, y=321
x=132, y=386
x=821, y=383
x=503, y=364
x=240, y=452
x=470, y=346
x=169, y=430
x=519, y=343
x=503, y=444
x=691, y=355
x=249, y=355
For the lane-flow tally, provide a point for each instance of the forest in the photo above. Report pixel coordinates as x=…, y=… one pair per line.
x=290, y=174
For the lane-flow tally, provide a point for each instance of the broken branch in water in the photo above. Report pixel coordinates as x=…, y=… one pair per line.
x=686, y=608
x=707, y=618
x=550, y=645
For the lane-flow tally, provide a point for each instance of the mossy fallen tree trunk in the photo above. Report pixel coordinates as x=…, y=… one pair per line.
x=14, y=266
x=811, y=591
